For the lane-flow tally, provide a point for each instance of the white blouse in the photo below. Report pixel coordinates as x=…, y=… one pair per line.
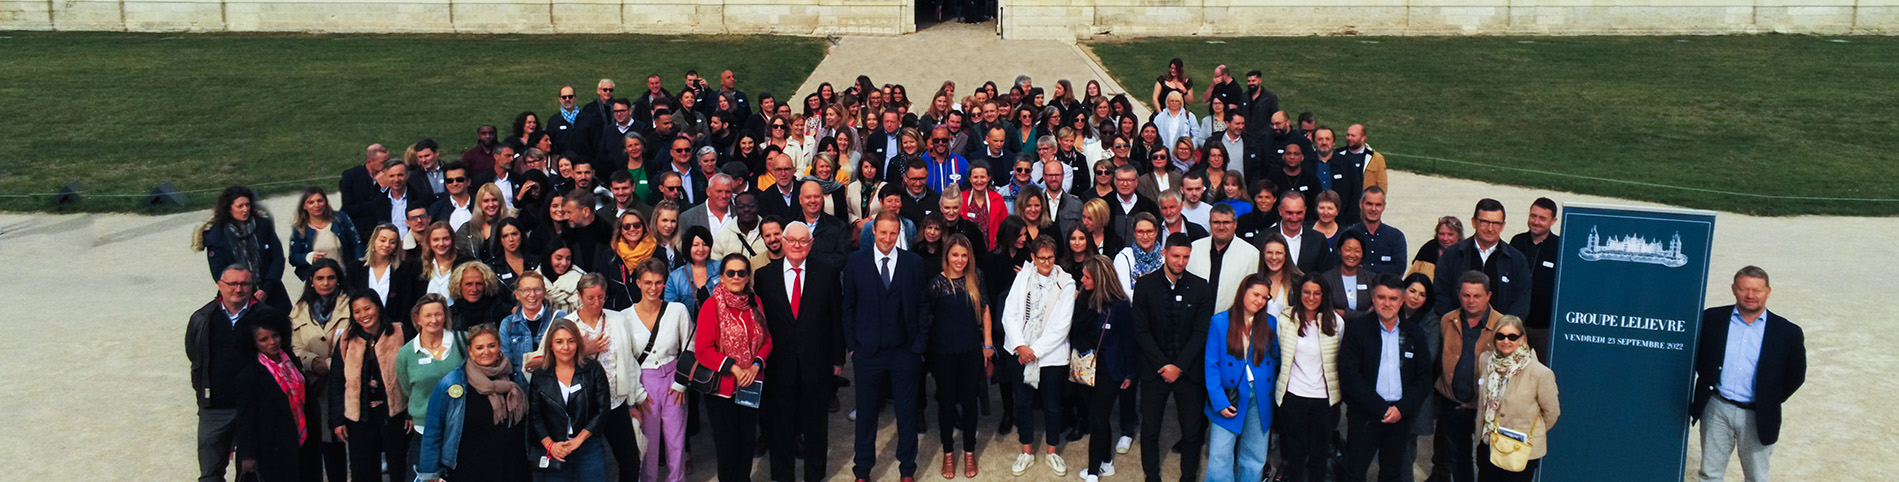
x=674, y=328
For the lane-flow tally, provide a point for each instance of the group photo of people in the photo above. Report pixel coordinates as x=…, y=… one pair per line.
x=603, y=279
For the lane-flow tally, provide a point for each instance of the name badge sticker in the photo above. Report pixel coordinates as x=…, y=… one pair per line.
x=1506, y=279
x=1361, y=287
x=1407, y=354
x=424, y=361
x=1549, y=264
x=1338, y=176
x=1384, y=258
x=1177, y=298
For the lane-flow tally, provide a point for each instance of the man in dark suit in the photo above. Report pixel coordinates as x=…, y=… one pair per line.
x=1338, y=173
x=801, y=298
x=359, y=188
x=563, y=126
x=457, y=206
x=1485, y=251
x=1308, y=248
x=1260, y=104
x=426, y=178
x=832, y=235
x=1297, y=175
x=393, y=202
x=609, y=149
x=679, y=159
x=212, y=338
x=1172, y=222
x=1385, y=374
x=882, y=145
x=1244, y=153
x=594, y=116
x=886, y=322
x=781, y=197
x=1171, y=309
x=655, y=94
x=1126, y=202
x=1750, y=362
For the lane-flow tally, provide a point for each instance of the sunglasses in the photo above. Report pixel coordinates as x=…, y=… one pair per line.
x=632, y=226
x=682, y=149
x=565, y=97
x=778, y=126
x=608, y=89
x=737, y=273
x=456, y=179
x=1511, y=336
x=1021, y=169
x=939, y=141
x=1103, y=172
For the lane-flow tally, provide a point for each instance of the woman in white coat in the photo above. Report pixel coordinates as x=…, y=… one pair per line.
x=1035, y=320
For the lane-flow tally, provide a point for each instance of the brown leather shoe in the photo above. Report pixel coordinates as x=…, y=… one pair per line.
x=949, y=466
x=969, y=465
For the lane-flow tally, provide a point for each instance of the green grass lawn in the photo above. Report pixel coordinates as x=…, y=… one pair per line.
x=1765, y=115
x=121, y=113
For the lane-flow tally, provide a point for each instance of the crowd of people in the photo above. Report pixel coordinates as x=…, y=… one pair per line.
x=578, y=298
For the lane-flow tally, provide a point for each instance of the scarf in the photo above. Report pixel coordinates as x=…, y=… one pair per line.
x=1146, y=262
x=322, y=316
x=244, y=246
x=510, y=405
x=633, y=255
x=290, y=379
x=867, y=196
x=1502, y=369
x=739, y=332
x=1035, y=310
x=827, y=185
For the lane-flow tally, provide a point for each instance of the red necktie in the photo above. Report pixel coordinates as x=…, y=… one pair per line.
x=797, y=289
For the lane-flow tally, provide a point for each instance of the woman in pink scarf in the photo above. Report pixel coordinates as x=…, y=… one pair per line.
x=273, y=420
x=732, y=339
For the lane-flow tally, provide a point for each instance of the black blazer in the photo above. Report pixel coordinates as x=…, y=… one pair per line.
x=1254, y=157
x=882, y=319
x=1781, y=370
x=265, y=429
x=359, y=190
x=405, y=286
x=565, y=134
x=1335, y=281
x=876, y=144
x=549, y=413
x=691, y=177
x=1359, y=354
x=1170, y=332
x=830, y=240
x=1120, y=218
x=811, y=342
x=1315, y=253
x=772, y=203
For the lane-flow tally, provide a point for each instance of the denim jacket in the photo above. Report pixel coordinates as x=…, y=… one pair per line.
x=442, y=437
x=517, y=338
x=679, y=288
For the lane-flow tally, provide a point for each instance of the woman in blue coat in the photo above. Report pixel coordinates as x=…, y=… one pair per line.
x=1242, y=356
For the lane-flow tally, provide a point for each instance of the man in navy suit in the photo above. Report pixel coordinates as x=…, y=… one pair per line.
x=886, y=318
x=1750, y=362
x=1385, y=373
x=800, y=296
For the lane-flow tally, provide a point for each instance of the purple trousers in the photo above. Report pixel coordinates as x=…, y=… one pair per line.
x=665, y=421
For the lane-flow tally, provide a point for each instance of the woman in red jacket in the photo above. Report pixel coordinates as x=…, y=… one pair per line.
x=732, y=338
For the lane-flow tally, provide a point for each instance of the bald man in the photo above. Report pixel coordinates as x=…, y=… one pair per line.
x=1282, y=135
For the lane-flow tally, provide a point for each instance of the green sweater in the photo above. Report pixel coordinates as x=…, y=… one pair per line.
x=417, y=372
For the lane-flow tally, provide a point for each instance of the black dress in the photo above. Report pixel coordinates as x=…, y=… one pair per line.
x=266, y=429
x=489, y=452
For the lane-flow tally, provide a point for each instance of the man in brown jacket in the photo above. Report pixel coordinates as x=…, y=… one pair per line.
x=1465, y=332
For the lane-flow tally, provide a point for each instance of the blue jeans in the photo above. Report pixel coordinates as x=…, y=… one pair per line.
x=587, y=464
x=1249, y=446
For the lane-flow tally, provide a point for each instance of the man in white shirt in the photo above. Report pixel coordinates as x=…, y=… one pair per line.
x=716, y=212
x=395, y=184
x=455, y=207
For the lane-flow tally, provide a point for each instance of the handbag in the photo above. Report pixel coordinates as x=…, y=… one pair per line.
x=694, y=375
x=1510, y=454
x=1081, y=365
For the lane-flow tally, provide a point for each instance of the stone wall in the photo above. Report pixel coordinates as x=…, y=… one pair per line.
x=1057, y=19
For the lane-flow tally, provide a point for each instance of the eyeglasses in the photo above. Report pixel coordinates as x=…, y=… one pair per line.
x=621, y=111
x=456, y=179
x=413, y=217
x=238, y=284
x=737, y=273
x=1511, y=336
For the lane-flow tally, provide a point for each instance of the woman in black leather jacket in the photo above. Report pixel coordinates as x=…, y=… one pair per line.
x=567, y=399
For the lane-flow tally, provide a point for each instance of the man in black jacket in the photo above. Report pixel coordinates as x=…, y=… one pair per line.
x=212, y=338
x=1260, y=104
x=1385, y=373
x=1309, y=249
x=563, y=126
x=1750, y=362
x=886, y=326
x=800, y=294
x=1171, y=310
x=882, y=145
x=1486, y=252
x=831, y=235
x=359, y=188
x=1297, y=175
x=1543, y=249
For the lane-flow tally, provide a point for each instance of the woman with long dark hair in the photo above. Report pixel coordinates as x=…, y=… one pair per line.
x=321, y=232
x=315, y=322
x=507, y=253
x=240, y=232
x=525, y=124
x=275, y=431
x=1104, y=325
x=375, y=413
x=475, y=430
x=732, y=337
x=959, y=353
x=1242, y=357
x=1308, y=392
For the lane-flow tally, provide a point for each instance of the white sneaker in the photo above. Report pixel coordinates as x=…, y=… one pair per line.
x=853, y=416
x=1121, y=446
x=1060, y=466
x=1107, y=469
x=1022, y=463
x=1090, y=478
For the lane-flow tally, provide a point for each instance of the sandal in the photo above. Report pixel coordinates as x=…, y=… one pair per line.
x=949, y=465
x=969, y=465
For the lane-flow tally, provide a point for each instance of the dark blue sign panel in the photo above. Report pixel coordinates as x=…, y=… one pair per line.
x=1626, y=316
